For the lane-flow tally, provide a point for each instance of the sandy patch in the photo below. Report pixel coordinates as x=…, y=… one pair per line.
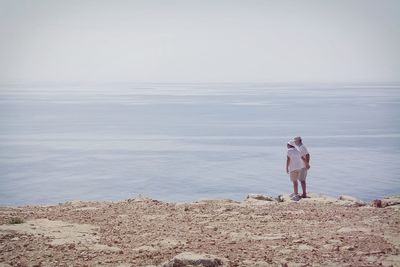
x=59, y=231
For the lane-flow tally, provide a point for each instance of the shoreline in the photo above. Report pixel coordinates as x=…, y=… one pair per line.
x=257, y=231
x=137, y=196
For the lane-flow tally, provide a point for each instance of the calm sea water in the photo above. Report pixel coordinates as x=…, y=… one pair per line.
x=185, y=142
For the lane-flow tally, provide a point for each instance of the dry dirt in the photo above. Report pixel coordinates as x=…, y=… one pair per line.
x=318, y=231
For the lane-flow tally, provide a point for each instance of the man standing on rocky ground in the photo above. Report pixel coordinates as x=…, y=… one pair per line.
x=293, y=167
x=305, y=156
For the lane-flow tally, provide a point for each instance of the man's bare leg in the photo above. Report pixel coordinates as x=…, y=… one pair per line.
x=303, y=187
x=296, y=187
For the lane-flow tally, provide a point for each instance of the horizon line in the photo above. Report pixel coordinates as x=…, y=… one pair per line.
x=198, y=82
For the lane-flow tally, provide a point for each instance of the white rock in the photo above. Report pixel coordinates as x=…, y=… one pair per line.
x=259, y=197
x=352, y=200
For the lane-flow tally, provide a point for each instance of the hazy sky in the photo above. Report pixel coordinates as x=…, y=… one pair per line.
x=199, y=41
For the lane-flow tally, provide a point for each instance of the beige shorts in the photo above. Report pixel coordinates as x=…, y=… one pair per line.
x=294, y=175
x=303, y=174
x=298, y=175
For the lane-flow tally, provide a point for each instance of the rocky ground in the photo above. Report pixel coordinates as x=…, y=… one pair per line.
x=259, y=231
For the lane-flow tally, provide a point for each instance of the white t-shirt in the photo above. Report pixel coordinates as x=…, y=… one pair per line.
x=303, y=152
x=295, y=159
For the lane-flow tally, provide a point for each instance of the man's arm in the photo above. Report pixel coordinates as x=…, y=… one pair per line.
x=306, y=160
x=287, y=164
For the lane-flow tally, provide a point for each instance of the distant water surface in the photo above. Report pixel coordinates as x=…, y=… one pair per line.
x=185, y=142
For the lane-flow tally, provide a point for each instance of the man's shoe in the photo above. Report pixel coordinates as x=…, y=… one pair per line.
x=296, y=198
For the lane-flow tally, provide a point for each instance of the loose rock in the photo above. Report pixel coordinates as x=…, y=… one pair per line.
x=189, y=259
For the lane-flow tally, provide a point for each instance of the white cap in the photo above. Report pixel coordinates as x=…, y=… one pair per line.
x=291, y=142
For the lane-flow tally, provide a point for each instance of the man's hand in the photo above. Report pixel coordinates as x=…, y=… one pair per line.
x=308, y=166
x=287, y=170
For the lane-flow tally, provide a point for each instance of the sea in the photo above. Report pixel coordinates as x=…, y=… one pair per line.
x=185, y=142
